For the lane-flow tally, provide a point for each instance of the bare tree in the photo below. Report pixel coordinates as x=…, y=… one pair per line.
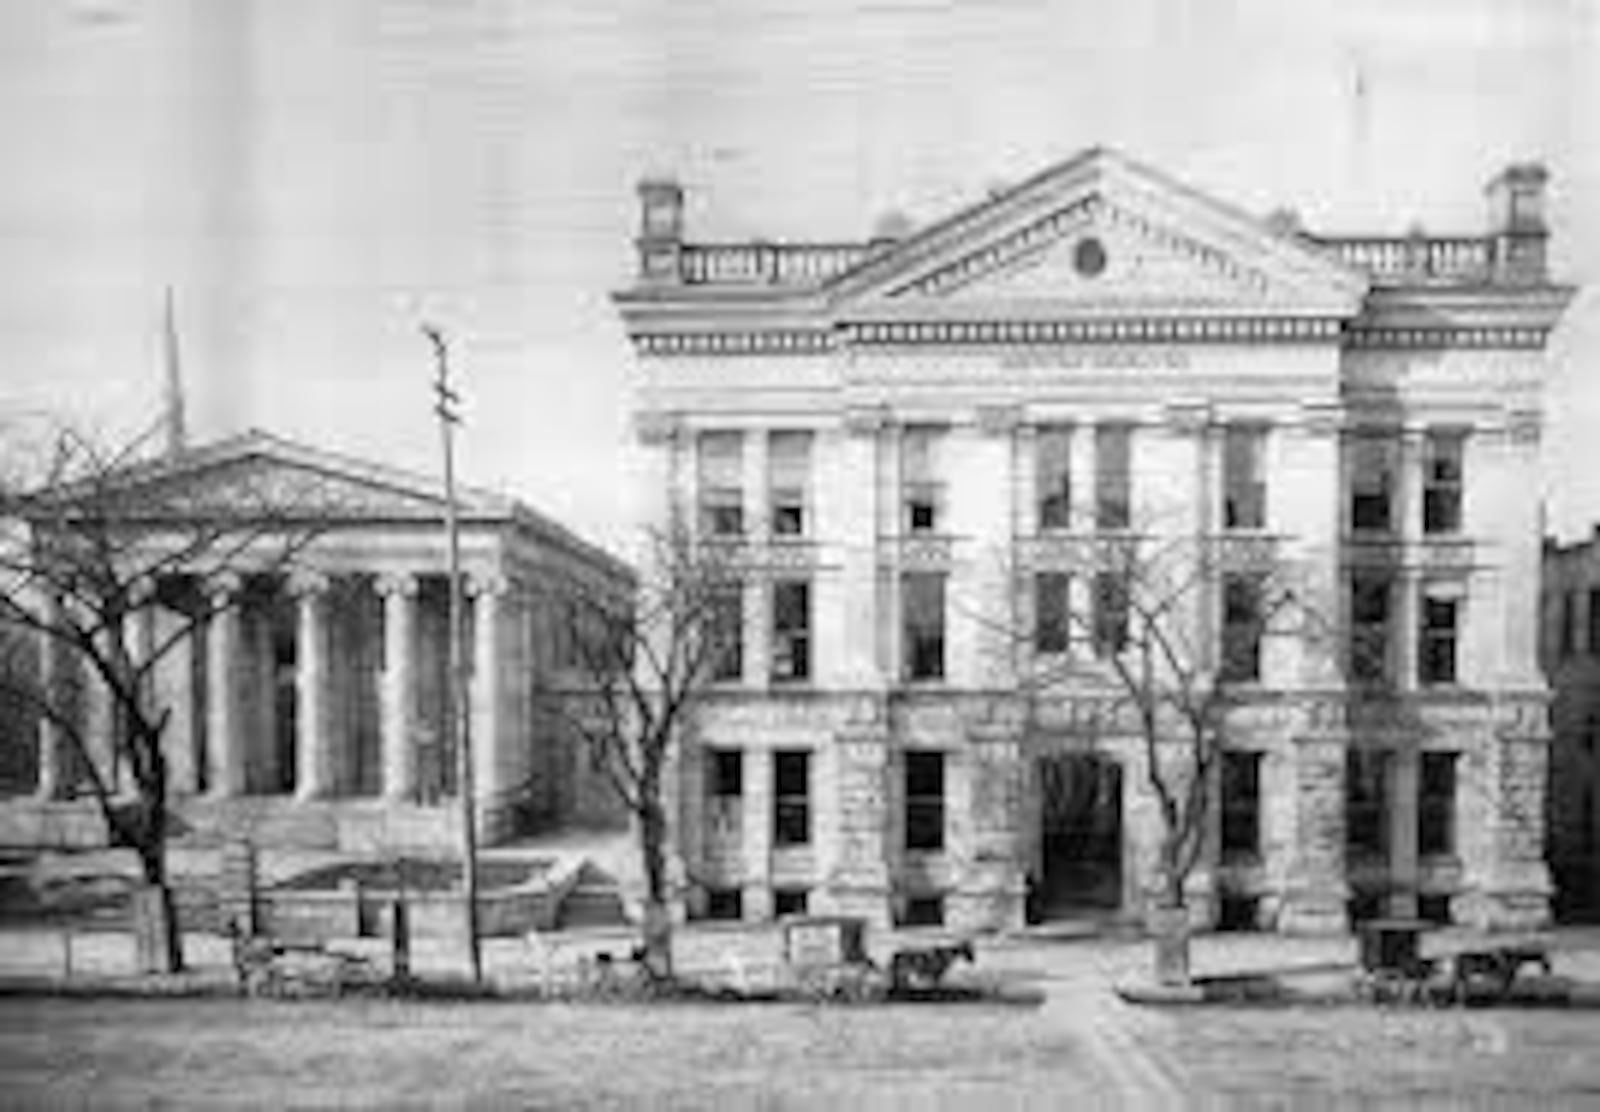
x=643, y=666
x=1168, y=648
x=95, y=542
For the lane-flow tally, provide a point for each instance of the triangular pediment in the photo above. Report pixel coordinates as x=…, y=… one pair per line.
x=1099, y=235
x=261, y=474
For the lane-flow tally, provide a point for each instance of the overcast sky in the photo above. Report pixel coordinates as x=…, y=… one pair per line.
x=314, y=177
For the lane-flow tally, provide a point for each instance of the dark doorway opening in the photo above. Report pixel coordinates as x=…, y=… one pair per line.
x=1080, y=797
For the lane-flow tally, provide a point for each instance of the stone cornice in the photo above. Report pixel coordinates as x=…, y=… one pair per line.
x=1366, y=337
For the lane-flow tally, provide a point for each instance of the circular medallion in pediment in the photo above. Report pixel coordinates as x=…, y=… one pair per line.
x=1089, y=257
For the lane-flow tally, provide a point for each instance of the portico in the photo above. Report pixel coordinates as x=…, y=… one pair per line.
x=308, y=699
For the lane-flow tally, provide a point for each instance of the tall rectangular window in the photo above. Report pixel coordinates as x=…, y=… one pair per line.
x=724, y=773
x=1594, y=621
x=1436, y=639
x=727, y=632
x=1241, y=803
x=1110, y=618
x=922, y=492
x=791, y=630
x=1366, y=808
x=1113, y=480
x=1052, y=616
x=720, y=475
x=1244, y=477
x=1374, y=460
x=1053, y=476
x=924, y=801
x=922, y=608
x=1370, y=595
x=1569, y=623
x=1436, y=809
x=1441, y=481
x=724, y=803
x=791, y=797
x=788, y=481
x=1243, y=619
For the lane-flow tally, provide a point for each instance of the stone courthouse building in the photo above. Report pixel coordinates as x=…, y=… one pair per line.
x=308, y=708
x=913, y=435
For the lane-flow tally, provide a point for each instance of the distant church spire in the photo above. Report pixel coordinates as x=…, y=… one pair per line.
x=172, y=400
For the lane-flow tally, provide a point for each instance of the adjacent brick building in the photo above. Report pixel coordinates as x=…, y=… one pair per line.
x=1570, y=650
x=900, y=434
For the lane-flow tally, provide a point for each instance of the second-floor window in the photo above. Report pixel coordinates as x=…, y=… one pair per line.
x=720, y=475
x=1242, y=621
x=1441, y=479
x=1052, y=616
x=727, y=633
x=1594, y=621
x=1374, y=457
x=922, y=606
x=791, y=797
x=922, y=493
x=1110, y=617
x=1244, y=477
x=1053, y=476
x=1437, y=637
x=1370, y=605
x=1113, y=479
x=791, y=630
x=788, y=481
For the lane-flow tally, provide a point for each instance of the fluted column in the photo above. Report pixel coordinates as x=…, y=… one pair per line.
x=399, y=593
x=225, y=739
x=484, y=695
x=51, y=760
x=313, y=763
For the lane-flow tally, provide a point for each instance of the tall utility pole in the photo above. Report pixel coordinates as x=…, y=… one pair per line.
x=445, y=402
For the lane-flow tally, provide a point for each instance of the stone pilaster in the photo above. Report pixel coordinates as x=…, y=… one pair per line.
x=985, y=795
x=225, y=727
x=854, y=511
x=1505, y=881
x=756, y=835
x=52, y=741
x=313, y=757
x=484, y=698
x=859, y=881
x=1316, y=893
x=398, y=696
x=1404, y=873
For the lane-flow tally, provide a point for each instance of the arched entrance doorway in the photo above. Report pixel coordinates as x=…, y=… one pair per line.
x=1079, y=870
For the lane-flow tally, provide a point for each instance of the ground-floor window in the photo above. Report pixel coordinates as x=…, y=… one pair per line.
x=1236, y=912
x=1366, y=793
x=1436, y=809
x=789, y=901
x=923, y=911
x=1241, y=804
x=725, y=904
x=791, y=797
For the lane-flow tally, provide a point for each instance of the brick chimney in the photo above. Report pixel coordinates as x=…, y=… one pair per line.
x=660, y=230
x=1516, y=224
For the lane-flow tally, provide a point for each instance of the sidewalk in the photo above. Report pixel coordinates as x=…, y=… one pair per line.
x=31, y=956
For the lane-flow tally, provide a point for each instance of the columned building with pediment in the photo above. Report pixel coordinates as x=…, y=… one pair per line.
x=308, y=706
x=919, y=438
